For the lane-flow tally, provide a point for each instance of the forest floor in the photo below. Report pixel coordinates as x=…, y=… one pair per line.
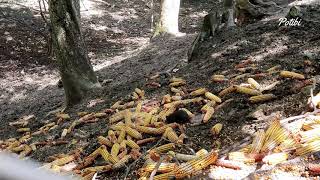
x=117, y=36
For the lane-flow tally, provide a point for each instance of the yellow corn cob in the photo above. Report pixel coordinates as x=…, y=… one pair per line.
x=139, y=92
x=166, y=99
x=116, y=105
x=165, y=148
x=240, y=156
x=63, y=161
x=118, y=127
x=25, y=138
x=177, y=91
x=19, y=148
x=213, y=97
x=287, y=145
x=278, y=136
x=178, y=83
x=274, y=69
x=33, y=147
x=258, y=141
x=112, y=136
x=190, y=114
x=132, y=132
x=308, y=136
x=123, y=144
x=139, y=106
x=100, y=115
x=27, y=150
x=261, y=98
x=116, y=117
x=104, y=141
x=147, y=119
x=23, y=130
x=163, y=168
x=201, y=152
x=132, y=144
x=181, y=138
x=88, y=176
x=293, y=75
x=218, y=78
x=64, y=133
x=155, y=110
x=215, y=130
x=127, y=117
x=135, y=96
x=274, y=126
x=195, y=166
x=176, y=98
x=171, y=135
x=106, y=155
x=175, y=79
x=208, y=114
x=227, y=90
x=206, y=106
x=121, y=136
x=254, y=84
x=198, y=92
x=115, y=149
x=164, y=176
x=248, y=91
x=122, y=162
x=307, y=148
x=275, y=158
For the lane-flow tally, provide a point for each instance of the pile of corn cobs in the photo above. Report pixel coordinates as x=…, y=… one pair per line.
x=135, y=123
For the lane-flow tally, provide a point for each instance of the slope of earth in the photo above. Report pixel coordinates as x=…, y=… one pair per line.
x=237, y=54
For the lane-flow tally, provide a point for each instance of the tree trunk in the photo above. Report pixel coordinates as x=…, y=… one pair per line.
x=169, y=17
x=76, y=71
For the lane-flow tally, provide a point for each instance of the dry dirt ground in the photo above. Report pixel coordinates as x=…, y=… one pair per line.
x=117, y=35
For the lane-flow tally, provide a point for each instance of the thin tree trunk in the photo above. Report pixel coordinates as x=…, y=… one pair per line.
x=169, y=17
x=76, y=71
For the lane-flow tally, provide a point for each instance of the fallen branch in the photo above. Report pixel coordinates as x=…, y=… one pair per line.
x=143, y=155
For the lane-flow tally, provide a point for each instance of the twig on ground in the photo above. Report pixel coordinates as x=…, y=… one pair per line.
x=143, y=155
x=156, y=168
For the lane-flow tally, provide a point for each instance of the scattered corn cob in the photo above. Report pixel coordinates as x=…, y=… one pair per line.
x=163, y=168
x=293, y=75
x=178, y=83
x=23, y=130
x=254, y=84
x=132, y=144
x=147, y=140
x=208, y=114
x=213, y=97
x=218, y=78
x=240, y=156
x=261, y=98
x=227, y=90
x=115, y=149
x=258, y=141
x=121, y=163
x=198, y=92
x=275, y=158
x=215, y=130
x=165, y=148
x=171, y=135
x=248, y=91
x=133, y=133
x=104, y=141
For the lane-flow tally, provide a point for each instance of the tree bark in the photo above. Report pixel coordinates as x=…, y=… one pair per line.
x=169, y=17
x=75, y=69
